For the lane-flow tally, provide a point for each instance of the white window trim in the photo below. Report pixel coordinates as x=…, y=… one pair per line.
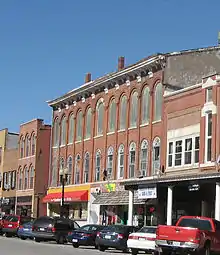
x=207, y=95
x=206, y=138
x=121, y=151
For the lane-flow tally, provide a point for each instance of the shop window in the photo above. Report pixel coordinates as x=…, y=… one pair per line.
x=158, y=100
x=110, y=162
x=121, y=157
x=56, y=133
x=123, y=113
x=79, y=126
x=145, y=106
x=70, y=168
x=77, y=170
x=133, y=110
x=132, y=155
x=144, y=158
x=178, y=153
x=31, y=171
x=156, y=155
x=88, y=123
x=98, y=166
x=86, y=168
x=5, y=181
x=208, y=144
x=188, y=151
x=100, y=117
x=33, y=144
x=71, y=129
x=196, y=149
x=63, y=131
x=112, y=116
x=209, y=95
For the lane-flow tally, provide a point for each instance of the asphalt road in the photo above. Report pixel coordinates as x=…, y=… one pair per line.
x=15, y=246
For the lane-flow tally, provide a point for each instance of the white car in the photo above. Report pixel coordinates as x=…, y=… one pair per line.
x=142, y=240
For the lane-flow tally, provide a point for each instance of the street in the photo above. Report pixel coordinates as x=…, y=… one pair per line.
x=15, y=246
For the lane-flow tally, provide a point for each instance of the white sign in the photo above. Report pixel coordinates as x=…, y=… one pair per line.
x=147, y=193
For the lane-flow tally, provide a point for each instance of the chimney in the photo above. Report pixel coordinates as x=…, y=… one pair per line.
x=121, y=63
x=88, y=77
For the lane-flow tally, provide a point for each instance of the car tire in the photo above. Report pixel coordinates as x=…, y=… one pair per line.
x=134, y=251
x=125, y=250
x=37, y=240
x=102, y=248
x=8, y=235
x=96, y=247
x=23, y=238
x=75, y=245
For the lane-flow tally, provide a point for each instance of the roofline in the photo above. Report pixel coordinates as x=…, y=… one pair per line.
x=104, y=79
x=36, y=119
x=13, y=133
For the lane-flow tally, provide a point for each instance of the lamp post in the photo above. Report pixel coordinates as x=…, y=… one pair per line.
x=63, y=178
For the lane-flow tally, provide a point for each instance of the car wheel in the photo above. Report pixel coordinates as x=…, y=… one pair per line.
x=7, y=235
x=23, y=238
x=37, y=240
x=96, y=247
x=125, y=250
x=75, y=245
x=134, y=251
x=102, y=248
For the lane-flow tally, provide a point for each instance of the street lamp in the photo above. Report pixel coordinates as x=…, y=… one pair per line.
x=63, y=178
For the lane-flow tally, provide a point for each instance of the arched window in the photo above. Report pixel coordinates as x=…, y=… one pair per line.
x=71, y=129
x=70, y=169
x=63, y=131
x=56, y=133
x=121, y=159
x=144, y=158
x=86, y=168
x=20, y=180
x=31, y=174
x=62, y=165
x=27, y=146
x=134, y=109
x=77, y=170
x=98, y=166
x=110, y=162
x=33, y=144
x=26, y=178
x=88, y=123
x=79, y=126
x=158, y=100
x=123, y=113
x=132, y=155
x=100, y=117
x=112, y=116
x=145, y=106
x=21, y=147
x=156, y=155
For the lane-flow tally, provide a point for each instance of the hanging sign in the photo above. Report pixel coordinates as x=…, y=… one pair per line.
x=147, y=193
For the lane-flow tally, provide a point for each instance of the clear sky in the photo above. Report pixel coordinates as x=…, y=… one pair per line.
x=47, y=46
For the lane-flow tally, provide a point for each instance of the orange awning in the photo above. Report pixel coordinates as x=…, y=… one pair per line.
x=71, y=196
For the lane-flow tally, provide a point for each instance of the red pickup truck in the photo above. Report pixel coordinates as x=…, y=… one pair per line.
x=190, y=234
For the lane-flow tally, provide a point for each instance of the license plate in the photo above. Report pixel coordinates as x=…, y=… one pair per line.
x=9, y=225
x=176, y=243
x=141, y=239
x=75, y=241
x=107, y=237
x=41, y=229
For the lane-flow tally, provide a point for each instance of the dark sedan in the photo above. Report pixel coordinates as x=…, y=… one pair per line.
x=85, y=235
x=114, y=236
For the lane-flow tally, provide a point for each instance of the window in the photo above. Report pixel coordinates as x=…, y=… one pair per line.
x=100, y=117
x=77, y=170
x=208, y=137
x=56, y=133
x=20, y=180
x=188, y=151
x=0, y=155
x=88, y=123
x=112, y=116
x=27, y=141
x=170, y=154
x=98, y=166
x=121, y=161
x=31, y=177
x=25, y=178
x=71, y=129
x=86, y=168
x=196, y=151
x=145, y=106
x=123, y=113
x=9, y=180
x=63, y=131
x=33, y=144
x=70, y=168
x=158, y=99
x=178, y=153
x=208, y=95
x=5, y=181
x=79, y=126
x=134, y=109
x=132, y=149
x=144, y=158
x=110, y=162
x=22, y=144
x=13, y=180
x=156, y=155
x=62, y=163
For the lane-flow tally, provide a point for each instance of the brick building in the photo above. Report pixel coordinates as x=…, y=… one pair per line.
x=32, y=167
x=115, y=128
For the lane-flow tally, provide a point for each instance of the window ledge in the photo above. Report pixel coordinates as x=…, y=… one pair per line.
x=207, y=164
x=130, y=128
x=70, y=144
x=61, y=146
x=185, y=167
x=86, y=139
x=144, y=124
x=110, y=133
x=156, y=121
x=27, y=157
x=121, y=130
x=98, y=136
x=55, y=147
x=78, y=142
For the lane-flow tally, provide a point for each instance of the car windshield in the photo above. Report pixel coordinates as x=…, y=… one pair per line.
x=149, y=230
x=196, y=223
x=44, y=220
x=13, y=219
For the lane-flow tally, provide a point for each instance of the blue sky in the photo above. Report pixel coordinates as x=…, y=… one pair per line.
x=47, y=46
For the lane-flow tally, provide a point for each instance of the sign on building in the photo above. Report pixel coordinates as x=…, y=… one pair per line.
x=147, y=193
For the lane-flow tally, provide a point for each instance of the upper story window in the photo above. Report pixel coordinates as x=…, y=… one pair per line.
x=70, y=169
x=132, y=155
x=208, y=137
x=100, y=117
x=77, y=170
x=145, y=107
x=144, y=158
x=71, y=129
x=112, y=116
x=134, y=109
x=158, y=100
x=33, y=144
x=86, y=168
x=56, y=132
x=110, y=162
x=209, y=95
x=79, y=127
x=123, y=113
x=26, y=177
x=22, y=147
x=156, y=155
x=88, y=123
x=62, y=164
x=20, y=179
x=63, y=131
x=31, y=173
x=27, y=146
x=98, y=166
x=121, y=159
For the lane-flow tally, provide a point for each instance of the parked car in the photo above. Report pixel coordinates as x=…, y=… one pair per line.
x=53, y=229
x=191, y=234
x=2, y=219
x=85, y=235
x=142, y=240
x=25, y=231
x=114, y=236
x=12, y=223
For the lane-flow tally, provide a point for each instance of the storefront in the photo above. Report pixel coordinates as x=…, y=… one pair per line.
x=76, y=202
x=7, y=205
x=24, y=205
